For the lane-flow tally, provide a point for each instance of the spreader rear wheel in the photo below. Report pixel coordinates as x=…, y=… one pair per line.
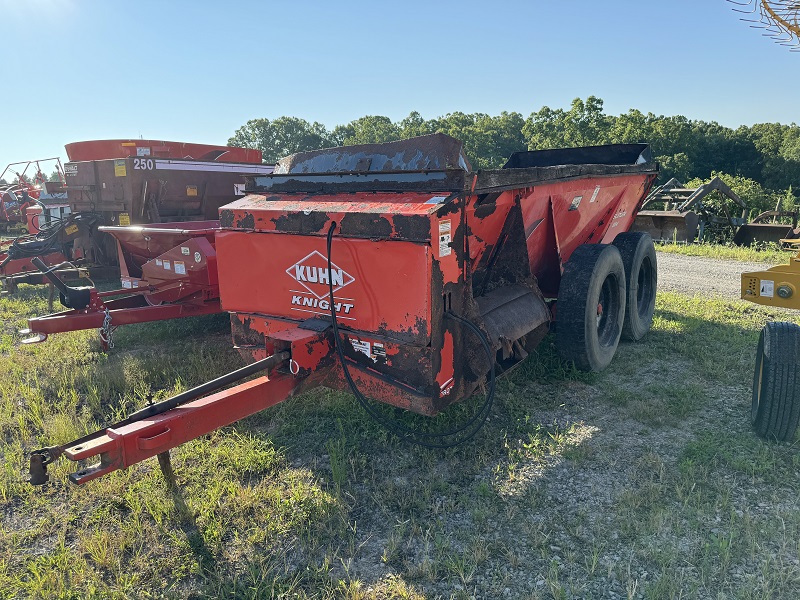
x=591, y=306
x=641, y=274
x=776, y=382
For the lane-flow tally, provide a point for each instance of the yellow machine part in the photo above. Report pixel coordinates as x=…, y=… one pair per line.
x=777, y=286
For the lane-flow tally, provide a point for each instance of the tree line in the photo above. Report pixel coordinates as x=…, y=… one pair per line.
x=760, y=162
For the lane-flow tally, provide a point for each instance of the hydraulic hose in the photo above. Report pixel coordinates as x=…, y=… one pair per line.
x=421, y=438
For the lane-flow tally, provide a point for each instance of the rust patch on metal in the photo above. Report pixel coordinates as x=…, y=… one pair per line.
x=226, y=218
x=246, y=222
x=366, y=224
x=299, y=222
x=243, y=333
x=484, y=210
x=412, y=227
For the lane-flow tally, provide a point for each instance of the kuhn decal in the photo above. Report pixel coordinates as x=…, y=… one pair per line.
x=308, y=304
x=314, y=276
x=312, y=273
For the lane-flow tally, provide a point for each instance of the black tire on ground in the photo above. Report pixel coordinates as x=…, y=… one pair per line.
x=591, y=306
x=776, y=382
x=641, y=274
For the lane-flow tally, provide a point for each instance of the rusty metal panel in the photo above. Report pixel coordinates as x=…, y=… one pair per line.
x=452, y=180
x=610, y=154
x=668, y=225
x=388, y=216
x=569, y=213
x=379, y=286
x=428, y=152
x=122, y=148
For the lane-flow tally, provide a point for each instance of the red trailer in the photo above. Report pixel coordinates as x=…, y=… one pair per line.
x=149, y=292
x=128, y=182
x=396, y=272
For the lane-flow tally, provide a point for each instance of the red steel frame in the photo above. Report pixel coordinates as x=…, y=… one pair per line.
x=129, y=444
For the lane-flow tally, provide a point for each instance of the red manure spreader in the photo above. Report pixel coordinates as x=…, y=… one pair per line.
x=121, y=183
x=396, y=272
x=130, y=202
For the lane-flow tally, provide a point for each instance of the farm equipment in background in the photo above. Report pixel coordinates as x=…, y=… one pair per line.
x=168, y=272
x=675, y=213
x=775, y=412
x=26, y=188
x=395, y=272
x=768, y=228
x=120, y=183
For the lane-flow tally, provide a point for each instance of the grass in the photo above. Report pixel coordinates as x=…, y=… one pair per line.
x=770, y=253
x=643, y=480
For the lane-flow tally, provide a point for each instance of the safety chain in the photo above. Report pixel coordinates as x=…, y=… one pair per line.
x=107, y=331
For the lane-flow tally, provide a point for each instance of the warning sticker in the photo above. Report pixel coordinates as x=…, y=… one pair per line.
x=167, y=265
x=185, y=250
x=70, y=169
x=576, y=202
x=378, y=351
x=767, y=288
x=363, y=347
x=159, y=262
x=594, y=195
x=142, y=151
x=70, y=229
x=119, y=168
x=124, y=219
x=126, y=283
x=197, y=257
x=180, y=267
x=191, y=190
x=445, y=238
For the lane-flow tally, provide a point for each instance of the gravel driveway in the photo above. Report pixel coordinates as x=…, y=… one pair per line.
x=694, y=274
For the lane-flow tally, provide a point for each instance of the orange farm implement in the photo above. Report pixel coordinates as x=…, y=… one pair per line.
x=396, y=272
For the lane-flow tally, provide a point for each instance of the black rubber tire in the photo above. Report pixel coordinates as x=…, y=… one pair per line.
x=776, y=382
x=641, y=274
x=591, y=306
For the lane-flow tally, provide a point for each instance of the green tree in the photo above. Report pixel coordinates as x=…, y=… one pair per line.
x=414, y=124
x=372, y=129
x=281, y=137
x=488, y=141
x=584, y=124
x=675, y=165
x=767, y=154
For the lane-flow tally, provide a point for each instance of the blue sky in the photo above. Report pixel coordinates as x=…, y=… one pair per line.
x=196, y=71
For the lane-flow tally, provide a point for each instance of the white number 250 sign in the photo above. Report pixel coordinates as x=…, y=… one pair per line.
x=145, y=164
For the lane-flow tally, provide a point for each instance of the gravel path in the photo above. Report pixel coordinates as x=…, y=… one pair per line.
x=694, y=274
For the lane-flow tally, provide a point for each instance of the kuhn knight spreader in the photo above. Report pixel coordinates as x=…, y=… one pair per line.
x=395, y=272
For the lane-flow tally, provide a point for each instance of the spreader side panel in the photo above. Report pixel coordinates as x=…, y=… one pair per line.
x=382, y=287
